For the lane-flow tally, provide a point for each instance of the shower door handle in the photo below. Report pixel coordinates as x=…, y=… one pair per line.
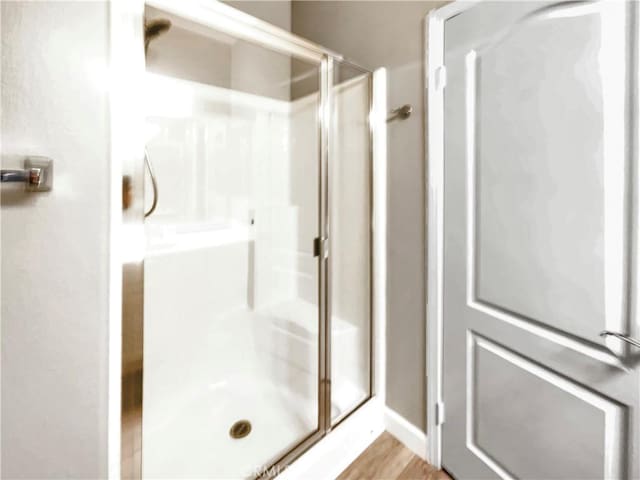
x=321, y=247
x=37, y=175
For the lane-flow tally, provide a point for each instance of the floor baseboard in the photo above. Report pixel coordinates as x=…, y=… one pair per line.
x=410, y=435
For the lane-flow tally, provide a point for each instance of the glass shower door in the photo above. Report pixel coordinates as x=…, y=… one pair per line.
x=350, y=262
x=231, y=283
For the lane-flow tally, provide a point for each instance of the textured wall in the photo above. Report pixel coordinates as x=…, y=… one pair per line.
x=55, y=250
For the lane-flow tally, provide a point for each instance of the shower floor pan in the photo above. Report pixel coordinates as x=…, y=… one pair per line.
x=196, y=442
x=268, y=378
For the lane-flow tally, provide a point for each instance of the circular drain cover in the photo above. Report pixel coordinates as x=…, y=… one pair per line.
x=240, y=429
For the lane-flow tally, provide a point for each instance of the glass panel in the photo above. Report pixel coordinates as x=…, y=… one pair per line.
x=350, y=233
x=231, y=283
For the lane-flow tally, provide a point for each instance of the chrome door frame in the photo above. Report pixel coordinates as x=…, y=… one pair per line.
x=221, y=17
x=372, y=131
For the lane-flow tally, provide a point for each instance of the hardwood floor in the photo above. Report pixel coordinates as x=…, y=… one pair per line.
x=388, y=459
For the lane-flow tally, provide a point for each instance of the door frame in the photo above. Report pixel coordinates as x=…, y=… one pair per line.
x=127, y=229
x=435, y=82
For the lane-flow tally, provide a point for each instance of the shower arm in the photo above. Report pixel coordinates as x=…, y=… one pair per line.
x=154, y=184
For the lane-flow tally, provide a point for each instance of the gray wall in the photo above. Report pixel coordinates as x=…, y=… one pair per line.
x=277, y=12
x=390, y=34
x=185, y=53
x=191, y=52
x=253, y=62
x=387, y=34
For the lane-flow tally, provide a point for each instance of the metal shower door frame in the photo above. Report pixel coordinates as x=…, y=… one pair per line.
x=129, y=236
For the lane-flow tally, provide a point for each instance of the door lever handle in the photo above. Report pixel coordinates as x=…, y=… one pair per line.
x=624, y=338
x=37, y=175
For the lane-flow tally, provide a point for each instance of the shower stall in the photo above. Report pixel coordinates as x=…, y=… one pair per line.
x=249, y=303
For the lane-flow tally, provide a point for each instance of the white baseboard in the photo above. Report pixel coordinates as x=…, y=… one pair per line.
x=410, y=435
x=328, y=458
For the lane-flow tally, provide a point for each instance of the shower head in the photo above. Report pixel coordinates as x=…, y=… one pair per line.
x=154, y=28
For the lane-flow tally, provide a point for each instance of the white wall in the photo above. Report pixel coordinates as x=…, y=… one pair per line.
x=55, y=245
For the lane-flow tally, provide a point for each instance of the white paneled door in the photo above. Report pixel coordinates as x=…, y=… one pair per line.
x=540, y=241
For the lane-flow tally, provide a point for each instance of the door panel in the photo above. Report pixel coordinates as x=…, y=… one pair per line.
x=551, y=268
x=538, y=222
x=514, y=397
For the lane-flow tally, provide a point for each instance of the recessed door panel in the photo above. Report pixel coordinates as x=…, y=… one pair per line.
x=540, y=243
x=513, y=396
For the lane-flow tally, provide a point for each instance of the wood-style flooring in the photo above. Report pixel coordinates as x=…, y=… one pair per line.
x=388, y=459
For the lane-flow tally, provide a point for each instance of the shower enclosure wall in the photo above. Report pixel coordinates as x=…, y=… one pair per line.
x=248, y=315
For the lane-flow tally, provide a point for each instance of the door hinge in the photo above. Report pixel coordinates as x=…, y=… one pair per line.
x=439, y=413
x=321, y=247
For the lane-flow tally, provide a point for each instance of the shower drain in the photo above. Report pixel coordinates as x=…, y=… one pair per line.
x=240, y=429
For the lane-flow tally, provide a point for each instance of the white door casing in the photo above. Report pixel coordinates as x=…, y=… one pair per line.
x=532, y=239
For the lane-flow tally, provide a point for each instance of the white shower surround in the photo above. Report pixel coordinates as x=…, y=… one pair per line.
x=226, y=336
